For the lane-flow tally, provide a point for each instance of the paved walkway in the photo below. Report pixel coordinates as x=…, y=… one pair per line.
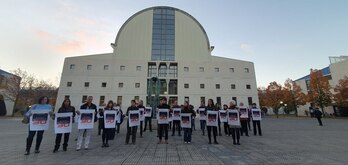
x=284, y=141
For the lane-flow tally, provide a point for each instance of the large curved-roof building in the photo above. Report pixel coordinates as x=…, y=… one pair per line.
x=163, y=42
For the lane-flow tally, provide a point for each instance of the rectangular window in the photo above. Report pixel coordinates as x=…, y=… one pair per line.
x=86, y=84
x=173, y=87
x=89, y=67
x=69, y=84
x=231, y=69
x=72, y=66
x=162, y=70
x=66, y=97
x=246, y=70
x=106, y=67
x=201, y=69
x=120, y=85
x=137, y=85
x=203, y=100
x=103, y=84
x=217, y=86
x=173, y=70
x=235, y=99
x=101, y=100
x=216, y=69
x=250, y=100
x=186, y=86
x=119, y=100
x=233, y=86
x=186, y=69
x=138, y=68
x=218, y=101
x=122, y=68
x=136, y=98
x=201, y=86
x=248, y=86
x=152, y=70
x=84, y=98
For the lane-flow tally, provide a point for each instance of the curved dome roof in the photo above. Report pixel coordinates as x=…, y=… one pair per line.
x=151, y=8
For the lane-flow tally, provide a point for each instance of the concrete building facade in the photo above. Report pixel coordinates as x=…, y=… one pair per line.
x=162, y=42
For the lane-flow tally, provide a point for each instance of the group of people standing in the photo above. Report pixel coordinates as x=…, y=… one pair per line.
x=84, y=135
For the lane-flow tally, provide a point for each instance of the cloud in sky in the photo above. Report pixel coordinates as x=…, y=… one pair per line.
x=247, y=48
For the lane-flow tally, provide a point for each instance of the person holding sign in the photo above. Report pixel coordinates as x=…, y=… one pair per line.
x=120, y=118
x=65, y=108
x=176, y=118
x=163, y=127
x=224, y=117
x=211, y=107
x=107, y=118
x=244, y=116
x=234, y=122
x=202, y=112
x=131, y=130
x=256, y=117
x=141, y=107
x=38, y=119
x=187, y=130
x=85, y=134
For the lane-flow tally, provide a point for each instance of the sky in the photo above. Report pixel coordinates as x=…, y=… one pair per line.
x=283, y=38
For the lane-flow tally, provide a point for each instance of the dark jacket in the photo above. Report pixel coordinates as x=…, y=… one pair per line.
x=317, y=113
x=67, y=110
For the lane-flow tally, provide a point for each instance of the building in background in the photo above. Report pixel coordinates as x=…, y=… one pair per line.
x=337, y=69
x=166, y=43
x=9, y=87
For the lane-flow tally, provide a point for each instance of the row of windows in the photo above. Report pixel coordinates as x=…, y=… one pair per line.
x=217, y=86
x=106, y=67
x=171, y=99
x=138, y=68
x=103, y=84
x=216, y=69
x=137, y=85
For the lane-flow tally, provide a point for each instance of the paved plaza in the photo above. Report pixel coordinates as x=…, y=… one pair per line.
x=284, y=141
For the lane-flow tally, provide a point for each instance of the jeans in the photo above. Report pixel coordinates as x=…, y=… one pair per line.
x=148, y=121
x=214, y=133
x=244, y=129
x=235, y=134
x=258, y=124
x=106, y=135
x=131, y=131
x=59, y=138
x=163, y=128
x=187, y=134
x=203, y=123
x=83, y=134
x=176, y=125
x=30, y=139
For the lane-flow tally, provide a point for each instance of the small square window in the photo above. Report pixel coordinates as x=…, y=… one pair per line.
x=201, y=86
x=233, y=86
x=84, y=98
x=101, y=100
x=231, y=69
x=89, y=67
x=120, y=85
x=186, y=86
x=106, y=67
x=186, y=69
x=216, y=69
x=138, y=68
x=69, y=84
x=137, y=85
x=86, y=84
x=217, y=86
x=201, y=69
x=246, y=70
x=72, y=66
x=122, y=68
x=248, y=86
x=67, y=97
x=103, y=84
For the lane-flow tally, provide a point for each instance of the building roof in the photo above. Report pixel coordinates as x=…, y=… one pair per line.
x=2, y=72
x=326, y=71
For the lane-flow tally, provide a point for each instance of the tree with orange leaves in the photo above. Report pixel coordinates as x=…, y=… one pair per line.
x=274, y=95
x=319, y=90
x=293, y=95
x=341, y=93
